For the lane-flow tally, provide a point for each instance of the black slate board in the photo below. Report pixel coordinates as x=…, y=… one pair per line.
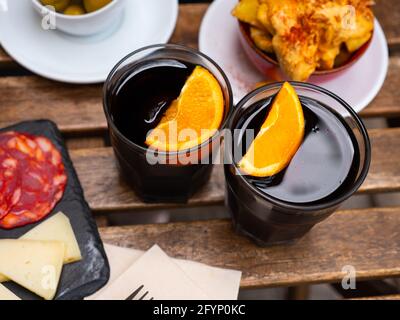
x=85, y=277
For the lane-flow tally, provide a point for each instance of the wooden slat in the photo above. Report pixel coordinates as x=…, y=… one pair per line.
x=190, y=16
x=5, y=59
x=388, y=14
x=102, y=221
x=389, y=297
x=79, y=109
x=188, y=25
x=369, y=240
x=105, y=191
x=384, y=173
x=387, y=102
x=3, y=56
x=74, y=108
x=85, y=143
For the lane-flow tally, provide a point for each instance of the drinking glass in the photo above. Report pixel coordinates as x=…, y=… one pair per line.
x=158, y=176
x=269, y=220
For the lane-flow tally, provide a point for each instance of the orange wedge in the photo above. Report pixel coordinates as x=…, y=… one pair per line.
x=192, y=118
x=279, y=138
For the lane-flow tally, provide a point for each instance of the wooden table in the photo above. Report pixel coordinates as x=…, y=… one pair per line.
x=367, y=239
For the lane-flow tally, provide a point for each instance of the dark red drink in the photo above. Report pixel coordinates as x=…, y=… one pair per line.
x=136, y=96
x=329, y=166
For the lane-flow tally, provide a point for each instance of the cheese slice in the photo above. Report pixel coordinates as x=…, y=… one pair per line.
x=6, y=294
x=3, y=278
x=56, y=228
x=34, y=265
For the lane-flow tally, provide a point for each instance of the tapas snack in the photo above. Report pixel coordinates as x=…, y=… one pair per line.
x=50, y=247
x=46, y=247
x=32, y=178
x=305, y=36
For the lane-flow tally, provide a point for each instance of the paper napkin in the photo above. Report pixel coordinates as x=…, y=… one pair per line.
x=160, y=276
x=192, y=280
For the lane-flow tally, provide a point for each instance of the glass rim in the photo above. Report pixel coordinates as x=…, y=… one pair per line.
x=307, y=207
x=130, y=143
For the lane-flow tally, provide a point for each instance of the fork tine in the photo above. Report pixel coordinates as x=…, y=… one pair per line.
x=142, y=297
x=135, y=293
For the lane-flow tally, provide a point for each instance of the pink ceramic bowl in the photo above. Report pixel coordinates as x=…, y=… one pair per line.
x=268, y=64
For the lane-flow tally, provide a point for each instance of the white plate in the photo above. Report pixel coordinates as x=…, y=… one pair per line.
x=358, y=85
x=58, y=56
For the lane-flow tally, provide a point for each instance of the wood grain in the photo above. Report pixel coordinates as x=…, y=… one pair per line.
x=78, y=109
x=74, y=108
x=5, y=59
x=384, y=173
x=388, y=14
x=387, y=102
x=190, y=16
x=85, y=143
x=106, y=191
x=388, y=297
x=188, y=24
x=102, y=221
x=369, y=240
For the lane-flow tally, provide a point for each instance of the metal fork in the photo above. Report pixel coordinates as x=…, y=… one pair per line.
x=136, y=292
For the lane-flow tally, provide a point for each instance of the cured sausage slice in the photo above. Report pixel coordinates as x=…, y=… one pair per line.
x=9, y=178
x=38, y=182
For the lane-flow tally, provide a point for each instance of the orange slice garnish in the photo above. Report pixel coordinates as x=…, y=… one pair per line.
x=279, y=138
x=192, y=118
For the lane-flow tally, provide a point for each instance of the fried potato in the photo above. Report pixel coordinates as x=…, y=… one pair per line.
x=262, y=39
x=246, y=11
x=298, y=59
x=356, y=43
x=362, y=31
x=283, y=15
x=263, y=17
x=308, y=35
x=327, y=57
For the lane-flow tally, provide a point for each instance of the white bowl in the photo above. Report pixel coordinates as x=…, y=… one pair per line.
x=86, y=24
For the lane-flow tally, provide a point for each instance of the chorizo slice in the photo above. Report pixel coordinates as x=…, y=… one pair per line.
x=39, y=180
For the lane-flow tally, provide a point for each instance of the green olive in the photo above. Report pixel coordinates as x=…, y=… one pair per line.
x=59, y=5
x=74, y=10
x=93, y=5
